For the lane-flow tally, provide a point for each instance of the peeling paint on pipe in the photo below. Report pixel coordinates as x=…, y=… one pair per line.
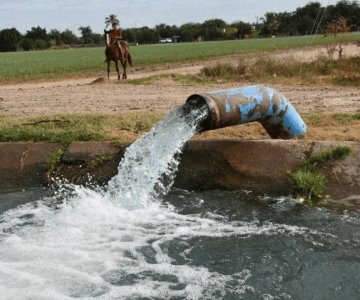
x=248, y=104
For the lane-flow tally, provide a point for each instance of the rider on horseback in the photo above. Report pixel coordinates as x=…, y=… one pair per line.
x=115, y=37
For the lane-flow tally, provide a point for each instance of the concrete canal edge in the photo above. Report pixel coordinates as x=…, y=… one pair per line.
x=258, y=165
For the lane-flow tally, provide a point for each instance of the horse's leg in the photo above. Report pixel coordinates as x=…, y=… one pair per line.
x=124, y=76
x=108, y=68
x=117, y=69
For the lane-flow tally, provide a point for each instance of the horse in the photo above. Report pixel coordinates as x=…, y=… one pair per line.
x=112, y=53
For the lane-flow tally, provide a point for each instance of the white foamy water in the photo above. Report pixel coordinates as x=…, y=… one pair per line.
x=116, y=244
x=88, y=246
x=148, y=168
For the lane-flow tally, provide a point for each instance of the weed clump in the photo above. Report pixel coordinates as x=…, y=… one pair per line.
x=54, y=160
x=220, y=71
x=330, y=155
x=307, y=182
x=343, y=117
x=339, y=72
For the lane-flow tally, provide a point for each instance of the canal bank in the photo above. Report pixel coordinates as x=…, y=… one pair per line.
x=231, y=164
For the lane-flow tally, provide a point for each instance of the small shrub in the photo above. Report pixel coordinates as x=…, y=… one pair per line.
x=54, y=160
x=100, y=160
x=347, y=80
x=219, y=71
x=307, y=182
x=330, y=155
x=314, y=118
x=242, y=68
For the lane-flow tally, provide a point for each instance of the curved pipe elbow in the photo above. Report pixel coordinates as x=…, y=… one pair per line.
x=248, y=104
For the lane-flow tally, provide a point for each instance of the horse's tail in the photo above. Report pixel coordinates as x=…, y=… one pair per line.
x=130, y=59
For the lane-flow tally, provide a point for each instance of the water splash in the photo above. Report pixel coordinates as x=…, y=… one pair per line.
x=148, y=168
x=88, y=246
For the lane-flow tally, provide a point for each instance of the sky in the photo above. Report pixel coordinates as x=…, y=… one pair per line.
x=71, y=14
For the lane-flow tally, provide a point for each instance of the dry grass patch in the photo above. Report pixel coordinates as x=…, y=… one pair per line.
x=124, y=128
x=190, y=80
x=77, y=127
x=345, y=72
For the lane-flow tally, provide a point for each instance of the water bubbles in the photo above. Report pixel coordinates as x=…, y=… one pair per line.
x=148, y=168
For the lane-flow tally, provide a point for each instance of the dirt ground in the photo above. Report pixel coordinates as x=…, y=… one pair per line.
x=108, y=96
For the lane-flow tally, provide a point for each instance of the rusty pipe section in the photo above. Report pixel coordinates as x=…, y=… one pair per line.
x=248, y=104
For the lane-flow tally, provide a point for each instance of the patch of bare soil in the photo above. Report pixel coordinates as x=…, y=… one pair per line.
x=108, y=96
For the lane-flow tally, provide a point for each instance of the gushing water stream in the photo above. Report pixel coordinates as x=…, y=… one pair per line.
x=148, y=169
x=122, y=242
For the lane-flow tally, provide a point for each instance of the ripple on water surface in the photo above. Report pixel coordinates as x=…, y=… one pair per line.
x=208, y=245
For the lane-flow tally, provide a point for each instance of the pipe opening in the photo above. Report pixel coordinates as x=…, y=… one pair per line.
x=197, y=101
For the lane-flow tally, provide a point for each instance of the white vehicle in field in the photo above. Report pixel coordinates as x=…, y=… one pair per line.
x=166, y=40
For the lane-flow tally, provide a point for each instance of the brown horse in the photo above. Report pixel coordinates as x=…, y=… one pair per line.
x=112, y=53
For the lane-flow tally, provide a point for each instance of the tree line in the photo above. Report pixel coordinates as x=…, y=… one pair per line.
x=38, y=38
x=309, y=19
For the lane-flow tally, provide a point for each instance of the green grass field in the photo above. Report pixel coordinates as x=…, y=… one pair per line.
x=52, y=64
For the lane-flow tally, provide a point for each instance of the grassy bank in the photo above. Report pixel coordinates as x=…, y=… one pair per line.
x=126, y=127
x=122, y=128
x=53, y=64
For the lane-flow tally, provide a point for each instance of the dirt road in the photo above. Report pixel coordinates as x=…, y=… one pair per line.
x=108, y=96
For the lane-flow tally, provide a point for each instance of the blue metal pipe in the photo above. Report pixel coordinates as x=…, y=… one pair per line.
x=248, y=104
